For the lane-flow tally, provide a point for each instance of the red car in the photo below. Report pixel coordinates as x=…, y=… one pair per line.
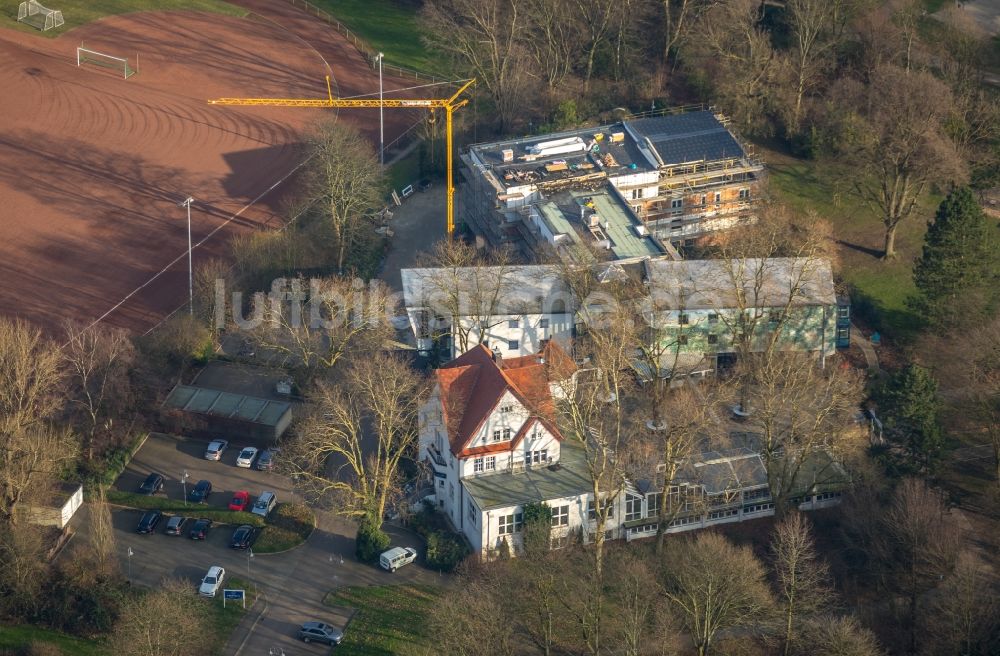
x=240, y=500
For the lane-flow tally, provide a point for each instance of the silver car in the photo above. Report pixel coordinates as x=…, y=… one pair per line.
x=215, y=449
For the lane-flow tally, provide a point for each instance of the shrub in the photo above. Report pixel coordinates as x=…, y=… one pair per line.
x=371, y=541
x=445, y=550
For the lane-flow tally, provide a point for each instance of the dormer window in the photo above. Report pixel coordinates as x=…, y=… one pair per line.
x=489, y=463
x=506, y=408
x=496, y=435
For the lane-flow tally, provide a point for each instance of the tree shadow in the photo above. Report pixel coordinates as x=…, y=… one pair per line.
x=874, y=252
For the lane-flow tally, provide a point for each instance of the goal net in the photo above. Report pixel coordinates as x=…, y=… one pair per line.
x=34, y=14
x=119, y=64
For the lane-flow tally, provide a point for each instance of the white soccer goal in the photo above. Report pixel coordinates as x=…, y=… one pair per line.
x=34, y=14
x=119, y=64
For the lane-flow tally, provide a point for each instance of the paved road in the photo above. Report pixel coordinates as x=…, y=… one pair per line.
x=294, y=583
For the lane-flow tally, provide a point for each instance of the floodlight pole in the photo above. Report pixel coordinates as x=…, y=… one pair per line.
x=184, y=480
x=130, y=565
x=381, y=128
x=187, y=203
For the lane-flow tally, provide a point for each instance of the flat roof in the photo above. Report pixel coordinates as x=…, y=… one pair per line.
x=714, y=284
x=533, y=484
x=688, y=137
x=525, y=289
x=227, y=404
x=621, y=225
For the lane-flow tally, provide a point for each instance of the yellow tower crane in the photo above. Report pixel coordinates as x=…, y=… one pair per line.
x=448, y=104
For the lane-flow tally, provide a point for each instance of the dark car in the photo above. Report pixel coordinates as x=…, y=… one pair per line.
x=200, y=529
x=320, y=632
x=265, y=461
x=175, y=525
x=243, y=537
x=149, y=521
x=201, y=491
x=152, y=484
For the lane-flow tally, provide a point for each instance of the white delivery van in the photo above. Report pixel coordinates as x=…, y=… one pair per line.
x=264, y=504
x=396, y=557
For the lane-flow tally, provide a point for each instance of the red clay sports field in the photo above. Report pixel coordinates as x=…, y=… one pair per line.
x=92, y=166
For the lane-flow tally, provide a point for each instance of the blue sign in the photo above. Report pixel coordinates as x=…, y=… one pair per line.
x=233, y=594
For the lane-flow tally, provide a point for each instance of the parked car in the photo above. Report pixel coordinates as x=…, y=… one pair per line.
x=149, y=521
x=201, y=491
x=246, y=457
x=266, y=460
x=200, y=529
x=396, y=557
x=215, y=449
x=243, y=537
x=175, y=525
x=320, y=632
x=241, y=500
x=212, y=581
x=152, y=484
x=264, y=504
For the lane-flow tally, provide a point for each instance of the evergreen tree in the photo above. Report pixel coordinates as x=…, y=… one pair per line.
x=957, y=260
x=909, y=405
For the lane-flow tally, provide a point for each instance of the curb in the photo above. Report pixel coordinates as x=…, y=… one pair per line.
x=253, y=626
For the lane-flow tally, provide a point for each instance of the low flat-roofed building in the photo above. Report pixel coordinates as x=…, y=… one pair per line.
x=217, y=412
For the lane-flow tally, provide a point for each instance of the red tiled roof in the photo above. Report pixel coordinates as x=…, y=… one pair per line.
x=471, y=387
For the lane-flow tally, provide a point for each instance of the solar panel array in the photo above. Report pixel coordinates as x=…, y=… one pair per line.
x=690, y=137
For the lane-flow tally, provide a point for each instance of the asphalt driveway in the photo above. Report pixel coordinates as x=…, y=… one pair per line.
x=293, y=583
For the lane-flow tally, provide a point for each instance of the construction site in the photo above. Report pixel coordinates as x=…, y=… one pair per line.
x=636, y=188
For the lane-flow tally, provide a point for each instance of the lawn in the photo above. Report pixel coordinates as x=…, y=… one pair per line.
x=14, y=638
x=288, y=526
x=80, y=12
x=388, y=26
x=177, y=507
x=390, y=619
x=879, y=289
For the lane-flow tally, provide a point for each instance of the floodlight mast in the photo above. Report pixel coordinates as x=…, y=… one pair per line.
x=449, y=105
x=187, y=203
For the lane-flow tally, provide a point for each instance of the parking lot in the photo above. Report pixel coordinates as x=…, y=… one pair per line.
x=294, y=583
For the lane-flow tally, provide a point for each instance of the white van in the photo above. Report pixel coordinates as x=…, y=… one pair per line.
x=396, y=557
x=264, y=504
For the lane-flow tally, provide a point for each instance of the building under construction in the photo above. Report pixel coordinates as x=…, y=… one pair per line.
x=621, y=189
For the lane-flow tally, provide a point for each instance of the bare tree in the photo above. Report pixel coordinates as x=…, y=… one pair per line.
x=596, y=20
x=30, y=376
x=23, y=569
x=315, y=327
x=553, y=49
x=638, y=619
x=734, y=54
x=836, y=636
x=486, y=38
x=915, y=546
x=964, y=617
x=344, y=178
x=714, y=585
x=349, y=449
x=102, y=531
x=903, y=146
x=99, y=361
x=803, y=579
x=165, y=621
x=474, y=619
x=472, y=291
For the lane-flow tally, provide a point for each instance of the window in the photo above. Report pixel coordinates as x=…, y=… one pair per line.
x=559, y=542
x=774, y=316
x=536, y=457
x=472, y=512
x=506, y=408
x=451, y=490
x=506, y=433
x=713, y=339
x=682, y=319
x=718, y=198
x=842, y=334
x=513, y=323
x=477, y=465
x=609, y=507
x=496, y=435
x=682, y=340
x=704, y=199
x=677, y=203
x=713, y=318
x=512, y=345
x=543, y=323
x=844, y=311
x=511, y=523
x=491, y=463
x=633, y=507
x=635, y=194
x=653, y=504
x=744, y=194
x=560, y=516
